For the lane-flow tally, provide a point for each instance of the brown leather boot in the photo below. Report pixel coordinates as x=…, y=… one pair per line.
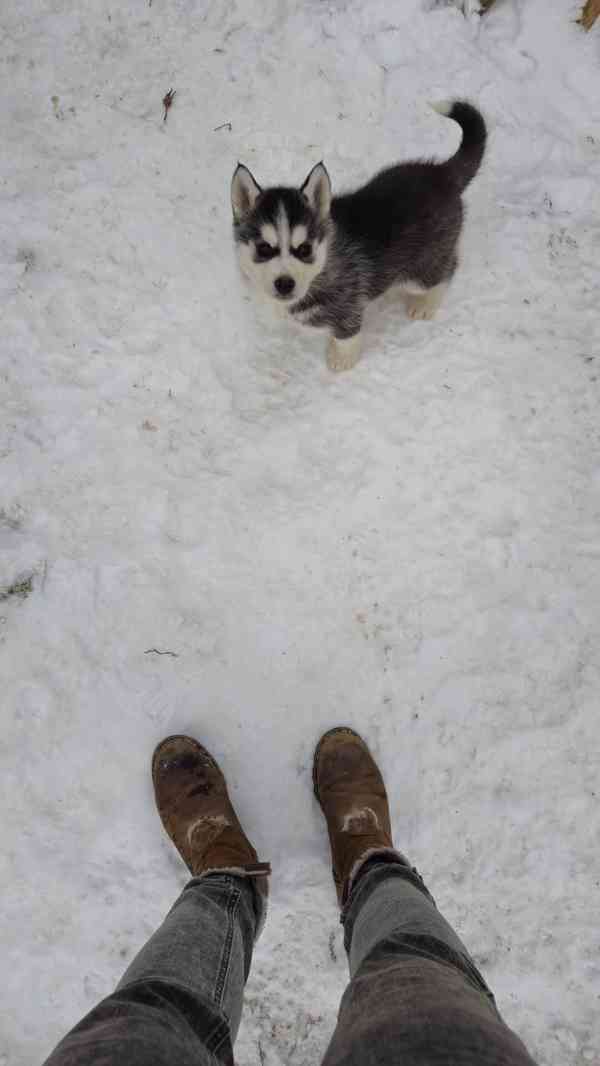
x=352, y=796
x=194, y=805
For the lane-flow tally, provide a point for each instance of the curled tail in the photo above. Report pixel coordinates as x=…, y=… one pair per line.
x=463, y=166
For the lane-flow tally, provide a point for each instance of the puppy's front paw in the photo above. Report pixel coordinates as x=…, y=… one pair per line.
x=343, y=354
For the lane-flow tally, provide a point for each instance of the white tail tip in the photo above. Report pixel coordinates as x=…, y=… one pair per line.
x=443, y=107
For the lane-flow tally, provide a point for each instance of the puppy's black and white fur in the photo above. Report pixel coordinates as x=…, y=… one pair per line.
x=324, y=259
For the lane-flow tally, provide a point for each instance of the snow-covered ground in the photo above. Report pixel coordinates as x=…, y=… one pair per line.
x=412, y=548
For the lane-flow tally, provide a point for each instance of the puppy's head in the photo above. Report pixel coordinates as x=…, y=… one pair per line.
x=281, y=233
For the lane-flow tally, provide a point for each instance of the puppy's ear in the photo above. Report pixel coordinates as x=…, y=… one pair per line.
x=244, y=192
x=317, y=189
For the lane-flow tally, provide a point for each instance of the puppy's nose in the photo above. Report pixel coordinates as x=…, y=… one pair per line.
x=284, y=285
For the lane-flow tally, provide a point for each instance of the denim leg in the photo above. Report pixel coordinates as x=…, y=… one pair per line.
x=392, y=898
x=415, y=995
x=181, y=998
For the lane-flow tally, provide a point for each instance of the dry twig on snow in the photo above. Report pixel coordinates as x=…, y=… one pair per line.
x=168, y=102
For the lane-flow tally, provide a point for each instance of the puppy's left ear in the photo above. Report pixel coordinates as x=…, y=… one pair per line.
x=244, y=192
x=317, y=189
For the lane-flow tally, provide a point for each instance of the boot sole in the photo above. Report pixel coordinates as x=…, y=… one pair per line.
x=181, y=736
x=330, y=733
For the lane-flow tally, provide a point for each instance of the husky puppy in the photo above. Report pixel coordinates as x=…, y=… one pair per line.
x=325, y=258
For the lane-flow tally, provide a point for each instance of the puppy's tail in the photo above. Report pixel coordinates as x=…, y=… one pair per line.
x=463, y=166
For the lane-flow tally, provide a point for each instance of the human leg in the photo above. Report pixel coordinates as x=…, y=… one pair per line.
x=415, y=994
x=181, y=997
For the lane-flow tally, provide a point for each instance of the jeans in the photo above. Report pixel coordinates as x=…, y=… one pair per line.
x=414, y=995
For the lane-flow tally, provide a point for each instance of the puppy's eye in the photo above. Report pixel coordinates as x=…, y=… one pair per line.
x=303, y=251
x=264, y=250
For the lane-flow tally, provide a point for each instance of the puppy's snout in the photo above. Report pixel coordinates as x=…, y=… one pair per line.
x=284, y=285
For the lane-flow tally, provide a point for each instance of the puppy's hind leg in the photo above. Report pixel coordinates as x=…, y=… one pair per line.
x=424, y=304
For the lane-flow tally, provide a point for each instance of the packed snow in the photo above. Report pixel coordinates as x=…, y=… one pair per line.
x=204, y=530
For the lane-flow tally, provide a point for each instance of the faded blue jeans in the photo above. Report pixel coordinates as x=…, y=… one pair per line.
x=180, y=1001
